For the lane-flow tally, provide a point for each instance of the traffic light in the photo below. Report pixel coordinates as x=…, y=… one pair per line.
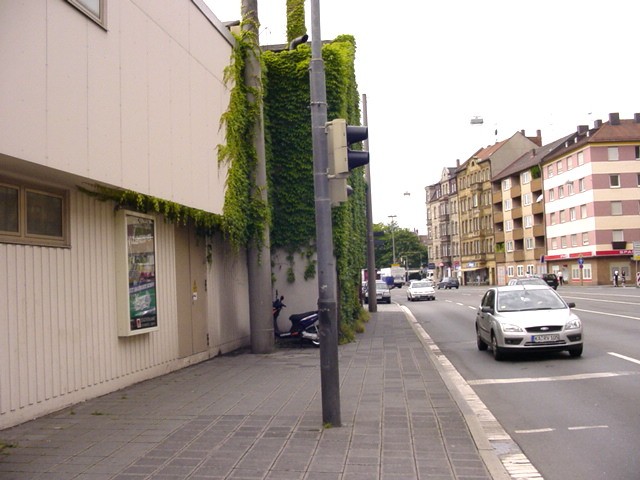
x=341, y=158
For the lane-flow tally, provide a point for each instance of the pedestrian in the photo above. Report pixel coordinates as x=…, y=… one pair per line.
x=560, y=278
x=624, y=278
x=615, y=278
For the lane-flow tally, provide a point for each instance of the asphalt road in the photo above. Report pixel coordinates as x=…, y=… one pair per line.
x=572, y=418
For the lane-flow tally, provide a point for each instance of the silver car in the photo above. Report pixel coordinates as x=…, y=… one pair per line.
x=383, y=294
x=523, y=318
x=419, y=289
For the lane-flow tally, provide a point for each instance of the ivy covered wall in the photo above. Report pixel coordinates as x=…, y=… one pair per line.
x=290, y=164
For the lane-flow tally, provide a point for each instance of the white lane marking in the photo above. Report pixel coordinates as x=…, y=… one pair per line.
x=588, y=427
x=624, y=357
x=582, y=376
x=601, y=299
x=606, y=313
x=573, y=429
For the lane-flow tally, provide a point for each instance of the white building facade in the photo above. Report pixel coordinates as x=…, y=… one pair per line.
x=127, y=95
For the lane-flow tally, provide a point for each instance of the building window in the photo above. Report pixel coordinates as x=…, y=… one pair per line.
x=581, y=185
x=618, y=235
x=585, y=238
x=508, y=225
x=564, y=242
x=637, y=151
x=96, y=10
x=638, y=179
x=526, y=199
x=552, y=218
x=552, y=195
x=561, y=191
x=580, y=158
x=507, y=205
x=554, y=244
x=616, y=208
x=612, y=153
x=510, y=246
x=614, y=181
x=550, y=171
x=530, y=269
x=570, y=162
x=528, y=221
x=572, y=214
x=561, y=216
x=583, y=211
x=520, y=270
x=574, y=240
x=506, y=184
x=559, y=167
x=570, y=188
x=526, y=177
x=510, y=271
x=33, y=215
x=529, y=243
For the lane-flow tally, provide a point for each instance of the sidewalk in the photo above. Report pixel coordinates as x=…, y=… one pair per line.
x=250, y=416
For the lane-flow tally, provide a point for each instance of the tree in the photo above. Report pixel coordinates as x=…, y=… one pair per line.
x=407, y=246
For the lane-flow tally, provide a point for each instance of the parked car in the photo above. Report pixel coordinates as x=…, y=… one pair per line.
x=551, y=279
x=449, y=282
x=527, y=281
x=523, y=318
x=421, y=289
x=383, y=294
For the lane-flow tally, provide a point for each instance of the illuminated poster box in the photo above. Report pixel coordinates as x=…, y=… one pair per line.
x=136, y=273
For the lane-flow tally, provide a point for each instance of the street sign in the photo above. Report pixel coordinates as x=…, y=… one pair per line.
x=580, y=261
x=636, y=250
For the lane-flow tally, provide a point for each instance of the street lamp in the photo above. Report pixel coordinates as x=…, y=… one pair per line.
x=393, y=240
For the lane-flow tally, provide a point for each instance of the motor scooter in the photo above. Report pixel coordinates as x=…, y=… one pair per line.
x=304, y=326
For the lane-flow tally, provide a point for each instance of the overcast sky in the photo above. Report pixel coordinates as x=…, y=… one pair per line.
x=428, y=67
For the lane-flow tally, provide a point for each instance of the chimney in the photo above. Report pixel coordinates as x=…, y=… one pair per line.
x=597, y=124
x=614, y=119
x=636, y=117
x=582, y=129
x=457, y=162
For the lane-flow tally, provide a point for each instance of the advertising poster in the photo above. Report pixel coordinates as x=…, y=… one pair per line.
x=142, y=272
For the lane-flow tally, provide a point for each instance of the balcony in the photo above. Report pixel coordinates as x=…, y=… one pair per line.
x=498, y=216
x=497, y=197
x=500, y=257
x=619, y=245
x=516, y=191
x=518, y=234
x=445, y=237
x=536, y=184
x=518, y=256
x=538, y=230
x=498, y=237
x=537, y=208
x=538, y=252
x=516, y=212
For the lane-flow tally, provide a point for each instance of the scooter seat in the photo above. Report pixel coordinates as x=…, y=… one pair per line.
x=300, y=316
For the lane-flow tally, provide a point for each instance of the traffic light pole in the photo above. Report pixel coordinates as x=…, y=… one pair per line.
x=327, y=309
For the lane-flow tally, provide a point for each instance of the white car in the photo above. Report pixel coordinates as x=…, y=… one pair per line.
x=523, y=318
x=419, y=289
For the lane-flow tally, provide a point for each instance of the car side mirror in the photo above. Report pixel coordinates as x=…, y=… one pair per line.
x=572, y=304
x=487, y=309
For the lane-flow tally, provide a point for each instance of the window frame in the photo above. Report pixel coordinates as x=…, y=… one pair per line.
x=22, y=236
x=99, y=18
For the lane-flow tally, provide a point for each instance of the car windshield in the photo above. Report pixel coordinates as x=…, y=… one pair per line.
x=521, y=300
x=381, y=286
x=420, y=284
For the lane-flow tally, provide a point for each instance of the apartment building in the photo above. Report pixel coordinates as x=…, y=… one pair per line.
x=93, y=298
x=518, y=212
x=475, y=203
x=443, y=236
x=592, y=201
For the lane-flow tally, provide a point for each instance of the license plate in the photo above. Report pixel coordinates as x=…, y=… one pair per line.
x=379, y=296
x=545, y=338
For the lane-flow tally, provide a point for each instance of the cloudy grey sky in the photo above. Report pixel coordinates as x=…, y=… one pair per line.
x=428, y=67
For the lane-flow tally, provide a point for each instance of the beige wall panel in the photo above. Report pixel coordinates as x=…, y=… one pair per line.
x=171, y=16
x=22, y=87
x=160, y=111
x=103, y=129
x=66, y=89
x=134, y=66
x=212, y=53
x=180, y=123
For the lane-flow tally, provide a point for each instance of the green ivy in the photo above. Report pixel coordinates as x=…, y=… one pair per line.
x=290, y=166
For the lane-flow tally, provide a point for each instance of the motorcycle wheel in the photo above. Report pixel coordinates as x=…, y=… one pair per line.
x=314, y=329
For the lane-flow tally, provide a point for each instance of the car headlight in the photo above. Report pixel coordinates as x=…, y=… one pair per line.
x=508, y=327
x=573, y=324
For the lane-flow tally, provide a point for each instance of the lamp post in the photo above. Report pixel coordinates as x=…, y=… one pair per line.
x=393, y=240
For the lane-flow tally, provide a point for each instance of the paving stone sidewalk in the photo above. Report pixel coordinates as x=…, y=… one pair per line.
x=245, y=416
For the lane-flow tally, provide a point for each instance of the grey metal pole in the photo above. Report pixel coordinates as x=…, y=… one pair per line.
x=328, y=319
x=371, y=253
x=393, y=238
x=258, y=257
